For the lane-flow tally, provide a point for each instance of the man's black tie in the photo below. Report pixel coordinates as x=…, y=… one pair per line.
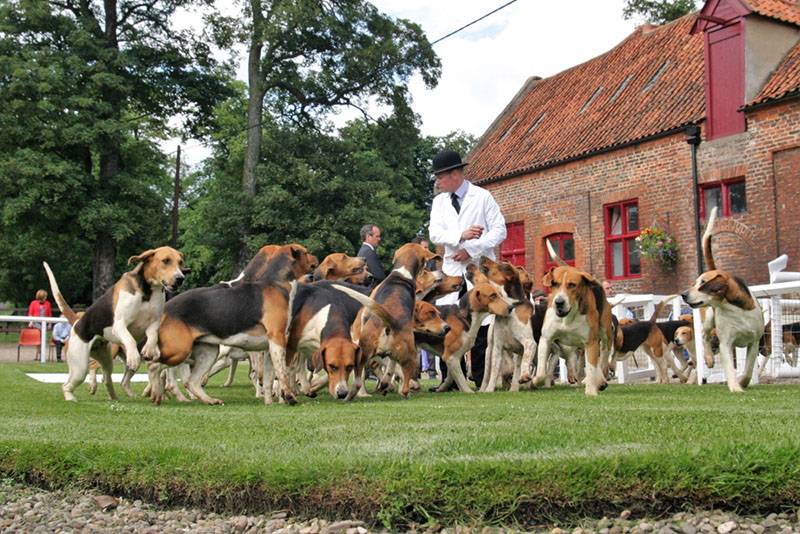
x=454, y=200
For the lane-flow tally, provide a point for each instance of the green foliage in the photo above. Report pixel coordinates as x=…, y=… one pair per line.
x=314, y=187
x=513, y=459
x=656, y=244
x=80, y=111
x=658, y=11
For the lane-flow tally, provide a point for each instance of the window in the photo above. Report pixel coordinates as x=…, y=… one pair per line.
x=564, y=245
x=513, y=248
x=621, y=231
x=729, y=197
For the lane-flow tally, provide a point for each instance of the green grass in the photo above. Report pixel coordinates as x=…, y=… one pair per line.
x=512, y=459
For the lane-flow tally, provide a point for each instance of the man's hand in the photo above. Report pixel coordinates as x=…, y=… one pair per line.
x=473, y=232
x=461, y=255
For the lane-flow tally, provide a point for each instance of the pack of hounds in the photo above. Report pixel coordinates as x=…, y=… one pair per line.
x=305, y=325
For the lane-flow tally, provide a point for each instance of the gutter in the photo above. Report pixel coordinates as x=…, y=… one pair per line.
x=794, y=93
x=610, y=148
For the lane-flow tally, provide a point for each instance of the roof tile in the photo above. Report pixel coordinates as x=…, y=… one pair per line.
x=575, y=117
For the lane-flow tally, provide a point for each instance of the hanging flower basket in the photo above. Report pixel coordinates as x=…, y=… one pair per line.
x=657, y=245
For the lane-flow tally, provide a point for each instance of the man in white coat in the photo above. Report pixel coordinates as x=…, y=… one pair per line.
x=466, y=220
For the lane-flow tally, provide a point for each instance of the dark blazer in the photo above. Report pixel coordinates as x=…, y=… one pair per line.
x=373, y=263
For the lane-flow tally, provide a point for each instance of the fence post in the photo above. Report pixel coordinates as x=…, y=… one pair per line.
x=776, y=331
x=699, y=346
x=43, y=342
x=621, y=369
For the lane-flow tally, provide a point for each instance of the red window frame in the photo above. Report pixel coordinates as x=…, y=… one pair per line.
x=513, y=248
x=725, y=193
x=624, y=236
x=557, y=240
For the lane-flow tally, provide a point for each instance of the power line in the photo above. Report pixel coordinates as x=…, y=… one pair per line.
x=473, y=22
x=440, y=39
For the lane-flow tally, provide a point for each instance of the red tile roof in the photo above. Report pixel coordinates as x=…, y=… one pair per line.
x=784, y=80
x=651, y=82
x=785, y=10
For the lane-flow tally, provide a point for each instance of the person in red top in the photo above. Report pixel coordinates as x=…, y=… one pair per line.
x=40, y=306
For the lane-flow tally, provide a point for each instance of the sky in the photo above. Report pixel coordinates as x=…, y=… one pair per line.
x=485, y=65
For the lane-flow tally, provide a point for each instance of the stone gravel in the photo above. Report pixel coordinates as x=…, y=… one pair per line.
x=27, y=509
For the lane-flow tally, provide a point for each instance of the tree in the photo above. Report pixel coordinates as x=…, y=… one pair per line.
x=308, y=56
x=87, y=87
x=314, y=187
x=658, y=11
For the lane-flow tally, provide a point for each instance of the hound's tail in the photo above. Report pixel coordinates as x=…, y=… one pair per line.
x=553, y=255
x=708, y=257
x=660, y=307
x=371, y=305
x=71, y=316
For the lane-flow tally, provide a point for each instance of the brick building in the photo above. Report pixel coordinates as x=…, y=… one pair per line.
x=593, y=155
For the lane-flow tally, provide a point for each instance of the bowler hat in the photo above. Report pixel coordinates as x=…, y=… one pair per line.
x=446, y=160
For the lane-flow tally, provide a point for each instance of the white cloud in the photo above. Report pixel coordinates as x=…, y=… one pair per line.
x=485, y=65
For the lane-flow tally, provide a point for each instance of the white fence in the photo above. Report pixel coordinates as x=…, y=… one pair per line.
x=775, y=300
x=41, y=323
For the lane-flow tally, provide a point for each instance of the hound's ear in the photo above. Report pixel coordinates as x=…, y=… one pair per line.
x=318, y=359
x=588, y=279
x=716, y=285
x=547, y=281
x=297, y=250
x=141, y=257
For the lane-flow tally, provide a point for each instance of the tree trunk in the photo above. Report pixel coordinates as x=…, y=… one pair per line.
x=105, y=257
x=255, y=107
x=255, y=101
x=105, y=249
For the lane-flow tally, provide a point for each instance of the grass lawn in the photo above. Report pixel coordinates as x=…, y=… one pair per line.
x=505, y=458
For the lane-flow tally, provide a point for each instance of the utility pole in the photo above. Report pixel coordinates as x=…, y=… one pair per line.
x=176, y=199
x=694, y=139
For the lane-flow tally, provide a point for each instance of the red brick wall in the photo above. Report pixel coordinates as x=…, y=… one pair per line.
x=570, y=198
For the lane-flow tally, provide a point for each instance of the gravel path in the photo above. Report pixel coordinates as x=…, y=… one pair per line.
x=26, y=509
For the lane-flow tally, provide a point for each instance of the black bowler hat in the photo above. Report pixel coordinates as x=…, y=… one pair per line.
x=446, y=160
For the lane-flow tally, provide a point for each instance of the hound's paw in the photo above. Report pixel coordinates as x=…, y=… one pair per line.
x=151, y=353
x=92, y=388
x=133, y=361
x=525, y=378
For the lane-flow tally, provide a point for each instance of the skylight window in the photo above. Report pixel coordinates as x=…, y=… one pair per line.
x=621, y=88
x=508, y=130
x=591, y=99
x=536, y=123
x=656, y=76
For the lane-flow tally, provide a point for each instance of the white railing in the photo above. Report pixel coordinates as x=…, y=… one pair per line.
x=42, y=321
x=772, y=299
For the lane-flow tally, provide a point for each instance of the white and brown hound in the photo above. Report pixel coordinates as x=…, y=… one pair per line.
x=737, y=316
x=127, y=311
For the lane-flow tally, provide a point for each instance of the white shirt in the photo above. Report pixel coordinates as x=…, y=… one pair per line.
x=446, y=226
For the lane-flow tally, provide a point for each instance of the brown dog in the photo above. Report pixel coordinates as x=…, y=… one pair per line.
x=396, y=293
x=736, y=314
x=578, y=315
x=251, y=313
x=127, y=312
x=511, y=336
x=464, y=320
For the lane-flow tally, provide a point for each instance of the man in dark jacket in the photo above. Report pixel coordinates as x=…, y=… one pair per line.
x=371, y=237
